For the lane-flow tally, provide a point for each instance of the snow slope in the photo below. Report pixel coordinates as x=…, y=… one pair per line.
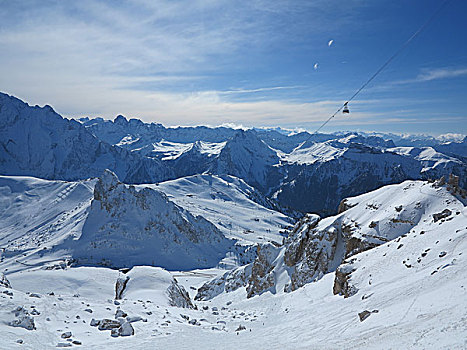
x=316, y=247
x=128, y=226
x=36, y=215
x=50, y=222
x=237, y=209
x=413, y=289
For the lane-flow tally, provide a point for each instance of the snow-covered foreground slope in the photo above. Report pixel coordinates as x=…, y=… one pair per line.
x=316, y=247
x=409, y=293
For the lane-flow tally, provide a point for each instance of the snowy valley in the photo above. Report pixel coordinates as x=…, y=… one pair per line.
x=123, y=233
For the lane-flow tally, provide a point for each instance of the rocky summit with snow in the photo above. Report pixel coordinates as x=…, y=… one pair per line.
x=119, y=233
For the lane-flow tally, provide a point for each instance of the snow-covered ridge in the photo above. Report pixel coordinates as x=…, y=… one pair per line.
x=315, y=247
x=36, y=141
x=37, y=216
x=237, y=209
x=289, y=168
x=129, y=226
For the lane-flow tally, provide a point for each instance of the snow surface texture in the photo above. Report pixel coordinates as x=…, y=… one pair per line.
x=410, y=292
x=237, y=209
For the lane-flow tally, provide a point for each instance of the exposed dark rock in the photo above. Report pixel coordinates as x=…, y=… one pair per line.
x=179, y=297
x=66, y=335
x=120, y=286
x=107, y=324
x=4, y=281
x=365, y=314
x=120, y=313
x=444, y=214
x=343, y=206
x=23, y=319
x=342, y=285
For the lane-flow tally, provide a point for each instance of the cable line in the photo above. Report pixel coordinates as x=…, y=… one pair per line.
x=385, y=64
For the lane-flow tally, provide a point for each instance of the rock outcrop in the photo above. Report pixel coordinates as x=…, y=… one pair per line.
x=4, y=281
x=342, y=283
x=23, y=319
x=178, y=296
x=142, y=280
x=129, y=225
x=120, y=286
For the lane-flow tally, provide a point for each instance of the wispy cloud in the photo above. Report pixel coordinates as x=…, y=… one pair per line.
x=427, y=74
x=264, y=89
x=441, y=73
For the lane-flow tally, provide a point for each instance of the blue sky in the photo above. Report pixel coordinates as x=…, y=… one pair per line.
x=251, y=63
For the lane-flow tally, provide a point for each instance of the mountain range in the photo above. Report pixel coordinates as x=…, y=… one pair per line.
x=124, y=233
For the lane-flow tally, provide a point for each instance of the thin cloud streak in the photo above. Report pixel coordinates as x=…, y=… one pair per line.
x=441, y=73
x=245, y=91
x=425, y=76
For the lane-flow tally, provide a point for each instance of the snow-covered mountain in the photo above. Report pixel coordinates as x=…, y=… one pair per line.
x=141, y=134
x=237, y=209
x=317, y=246
x=292, y=169
x=128, y=226
x=36, y=141
x=104, y=222
x=204, y=255
x=323, y=175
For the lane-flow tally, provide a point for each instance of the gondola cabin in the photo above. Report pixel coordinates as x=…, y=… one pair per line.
x=345, y=110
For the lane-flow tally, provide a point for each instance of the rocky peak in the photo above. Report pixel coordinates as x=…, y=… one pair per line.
x=106, y=183
x=129, y=225
x=120, y=120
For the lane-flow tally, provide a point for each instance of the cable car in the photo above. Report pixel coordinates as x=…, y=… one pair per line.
x=345, y=110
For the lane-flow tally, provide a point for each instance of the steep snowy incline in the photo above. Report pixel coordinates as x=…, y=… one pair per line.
x=129, y=226
x=37, y=141
x=251, y=159
x=36, y=215
x=316, y=247
x=236, y=208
